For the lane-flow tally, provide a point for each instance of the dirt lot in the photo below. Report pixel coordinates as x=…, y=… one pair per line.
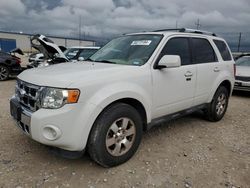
x=189, y=152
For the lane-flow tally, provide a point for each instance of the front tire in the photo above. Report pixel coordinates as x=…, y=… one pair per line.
x=218, y=107
x=116, y=135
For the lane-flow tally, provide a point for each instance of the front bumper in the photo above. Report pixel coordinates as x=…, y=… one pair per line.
x=65, y=128
x=241, y=85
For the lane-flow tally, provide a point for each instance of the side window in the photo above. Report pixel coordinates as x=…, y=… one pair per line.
x=178, y=46
x=203, y=51
x=224, y=51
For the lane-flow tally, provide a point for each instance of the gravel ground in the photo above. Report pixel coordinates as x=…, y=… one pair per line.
x=188, y=152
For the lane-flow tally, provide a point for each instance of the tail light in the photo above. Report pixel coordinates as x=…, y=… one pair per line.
x=18, y=60
x=234, y=70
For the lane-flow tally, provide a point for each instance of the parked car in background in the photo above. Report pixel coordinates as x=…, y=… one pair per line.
x=51, y=53
x=80, y=53
x=36, y=57
x=47, y=47
x=242, y=78
x=238, y=55
x=10, y=64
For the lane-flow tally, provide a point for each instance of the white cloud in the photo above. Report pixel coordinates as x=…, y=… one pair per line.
x=107, y=17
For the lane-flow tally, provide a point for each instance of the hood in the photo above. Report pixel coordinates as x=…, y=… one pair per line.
x=243, y=71
x=46, y=46
x=64, y=74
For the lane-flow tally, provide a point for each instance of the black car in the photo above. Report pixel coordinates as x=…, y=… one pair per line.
x=9, y=64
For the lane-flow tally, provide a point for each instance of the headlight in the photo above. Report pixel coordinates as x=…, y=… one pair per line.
x=54, y=98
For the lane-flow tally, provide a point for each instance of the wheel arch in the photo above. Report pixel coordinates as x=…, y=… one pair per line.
x=134, y=103
x=226, y=83
x=138, y=105
x=4, y=64
x=95, y=111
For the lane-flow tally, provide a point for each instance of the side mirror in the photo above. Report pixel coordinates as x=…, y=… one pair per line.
x=80, y=58
x=169, y=61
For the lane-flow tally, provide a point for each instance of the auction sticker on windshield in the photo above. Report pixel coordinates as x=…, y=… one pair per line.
x=141, y=43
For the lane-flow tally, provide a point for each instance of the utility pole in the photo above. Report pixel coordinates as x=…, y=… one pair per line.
x=239, y=42
x=176, y=24
x=80, y=29
x=198, y=24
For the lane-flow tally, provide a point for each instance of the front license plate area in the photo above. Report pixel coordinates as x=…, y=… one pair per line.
x=15, y=110
x=25, y=119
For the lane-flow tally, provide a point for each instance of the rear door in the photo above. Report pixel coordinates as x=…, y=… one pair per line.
x=173, y=88
x=208, y=68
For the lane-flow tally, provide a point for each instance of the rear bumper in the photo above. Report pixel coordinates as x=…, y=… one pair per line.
x=241, y=85
x=14, y=70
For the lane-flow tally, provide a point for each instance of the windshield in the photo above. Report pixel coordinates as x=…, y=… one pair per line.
x=128, y=50
x=243, y=61
x=71, y=53
x=86, y=53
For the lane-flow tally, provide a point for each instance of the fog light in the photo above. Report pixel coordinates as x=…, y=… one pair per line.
x=51, y=132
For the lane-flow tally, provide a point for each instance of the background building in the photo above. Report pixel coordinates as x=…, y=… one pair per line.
x=11, y=40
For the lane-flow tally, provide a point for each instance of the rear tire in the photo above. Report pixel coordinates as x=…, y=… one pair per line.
x=218, y=107
x=116, y=135
x=4, y=73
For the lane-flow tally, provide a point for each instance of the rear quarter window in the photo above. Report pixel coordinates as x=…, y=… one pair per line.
x=223, y=49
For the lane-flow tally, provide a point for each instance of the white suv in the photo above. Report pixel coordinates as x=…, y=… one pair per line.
x=132, y=83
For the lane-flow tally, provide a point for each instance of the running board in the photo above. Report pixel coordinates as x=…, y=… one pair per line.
x=175, y=115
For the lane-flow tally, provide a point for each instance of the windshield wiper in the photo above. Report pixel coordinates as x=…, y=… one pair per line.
x=106, y=61
x=101, y=61
x=88, y=59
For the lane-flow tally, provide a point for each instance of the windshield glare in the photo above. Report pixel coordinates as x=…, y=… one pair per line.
x=128, y=50
x=243, y=61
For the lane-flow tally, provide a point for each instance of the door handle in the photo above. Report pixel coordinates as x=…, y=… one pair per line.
x=188, y=74
x=216, y=69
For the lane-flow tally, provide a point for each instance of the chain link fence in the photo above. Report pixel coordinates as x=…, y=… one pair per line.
x=238, y=42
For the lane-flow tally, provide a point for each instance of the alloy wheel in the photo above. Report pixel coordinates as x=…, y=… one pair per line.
x=120, y=136
x=221, y=104
x=3, y=73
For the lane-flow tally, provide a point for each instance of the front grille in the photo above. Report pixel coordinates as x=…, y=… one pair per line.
x=242, y=78
x=28, y=95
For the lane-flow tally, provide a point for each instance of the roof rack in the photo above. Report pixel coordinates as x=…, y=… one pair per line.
x=176, y=29
x=185, y=30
